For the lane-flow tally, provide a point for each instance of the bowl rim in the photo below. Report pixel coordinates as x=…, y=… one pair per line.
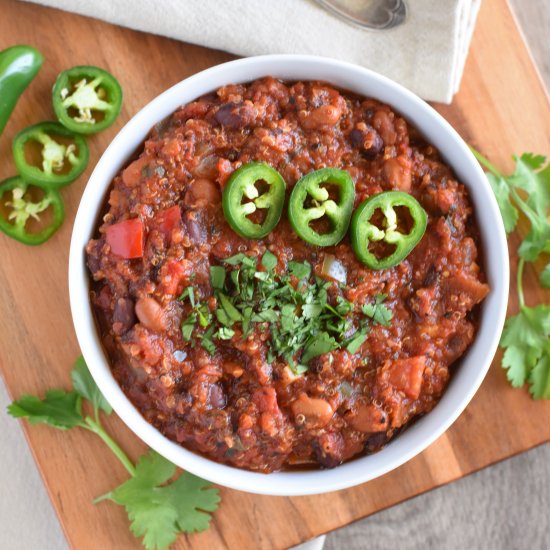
x=474, y=364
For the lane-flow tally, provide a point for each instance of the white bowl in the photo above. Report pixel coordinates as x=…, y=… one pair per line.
x=474, y=365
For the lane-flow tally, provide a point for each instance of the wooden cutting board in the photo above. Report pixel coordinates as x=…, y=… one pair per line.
x=501, y=109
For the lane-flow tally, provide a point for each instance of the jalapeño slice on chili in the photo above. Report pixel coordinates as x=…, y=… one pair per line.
x=242, y=200
x=327, y=193
x=86, y=99
x=364, y=232
x=21, y=209
x=59, y=155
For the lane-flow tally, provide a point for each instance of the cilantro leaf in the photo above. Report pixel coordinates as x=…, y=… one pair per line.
x=356, y=341
x=531, y=177
x=159, y=511
x=269, y=260
x=188, y=326
x=527, y=349
x=318, y=345
x=300, y=270
x=378, y=312
x=508, y=211
x=59, y=409
x=217, y=276
x=85, y=386
x=545, y=276
x=540, y=377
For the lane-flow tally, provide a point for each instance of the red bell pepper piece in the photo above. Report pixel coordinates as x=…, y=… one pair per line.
x=126, y=238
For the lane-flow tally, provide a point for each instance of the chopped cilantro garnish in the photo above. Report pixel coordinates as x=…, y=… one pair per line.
x=300, y=270
x=378, y=312
x=217, y=276
x=269, y=260
x=188, y=326
x=303, y=321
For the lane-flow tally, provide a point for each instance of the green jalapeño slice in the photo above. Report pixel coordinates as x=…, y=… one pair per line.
x=364, y=232
x=23, y=214
x=253, y=200
x=49, y=154
x=327, y=194
x=86, y=99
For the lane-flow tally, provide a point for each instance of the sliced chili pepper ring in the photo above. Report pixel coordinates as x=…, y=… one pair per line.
x=363, y=232
x=61, y=162
x=86, y=99
x=242, y=186
x=20, y=210
x=338, y=210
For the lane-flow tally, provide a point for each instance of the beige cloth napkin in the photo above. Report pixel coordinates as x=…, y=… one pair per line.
x=426, y=54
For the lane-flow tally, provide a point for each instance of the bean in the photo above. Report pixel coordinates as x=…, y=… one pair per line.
x=123, y=315
x=398, y=173
x=151, y=314
x=131, y=175
x=317, y=412
x=367, y=418
x=235, y=115
x=202, y=192
x=325, y=115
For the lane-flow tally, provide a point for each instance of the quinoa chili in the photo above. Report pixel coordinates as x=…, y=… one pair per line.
x=180, y=297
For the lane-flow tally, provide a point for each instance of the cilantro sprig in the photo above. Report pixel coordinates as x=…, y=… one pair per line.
x=158, y=505
x=294, y=306
x=526, y=336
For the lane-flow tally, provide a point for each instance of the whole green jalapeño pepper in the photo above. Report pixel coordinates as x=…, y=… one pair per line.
x=364, y=232
x=311, y=199
x=18, y=67
x=63, y=154
x=242, y=186
x=86, y=99
x=24, y=211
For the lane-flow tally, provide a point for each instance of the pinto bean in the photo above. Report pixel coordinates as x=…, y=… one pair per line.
x=202, y=192
x=316, y=412
x=325, y=115
x=151, y=314
x=367, y=418
x=383, y=122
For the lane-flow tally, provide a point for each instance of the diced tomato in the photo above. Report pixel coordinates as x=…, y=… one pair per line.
x=167, y=220
x=172, y=274
x=406, y=375
x=126, y=238
x=266, y=400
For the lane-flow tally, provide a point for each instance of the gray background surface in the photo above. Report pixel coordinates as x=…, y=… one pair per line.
x=506, y=506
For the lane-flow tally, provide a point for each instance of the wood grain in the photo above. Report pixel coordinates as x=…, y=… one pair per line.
x=502, y=108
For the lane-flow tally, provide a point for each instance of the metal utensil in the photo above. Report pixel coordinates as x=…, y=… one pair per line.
x=368, y=14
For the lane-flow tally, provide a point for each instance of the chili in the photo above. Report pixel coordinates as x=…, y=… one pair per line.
x=242, y=185
x=18, y=67
x=86, y=99
x=338, y=210
x=22, y=210
x=60, y=164
x=364, y=232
